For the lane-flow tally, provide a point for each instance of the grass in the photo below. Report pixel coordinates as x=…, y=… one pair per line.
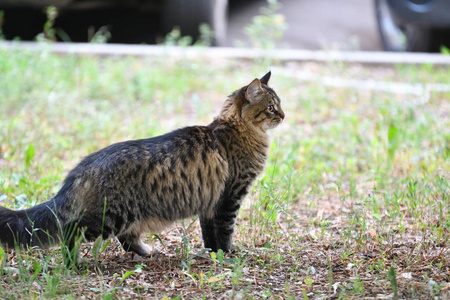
x=354, y=201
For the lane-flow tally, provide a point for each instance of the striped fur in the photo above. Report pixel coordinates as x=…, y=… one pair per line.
x=145, y=185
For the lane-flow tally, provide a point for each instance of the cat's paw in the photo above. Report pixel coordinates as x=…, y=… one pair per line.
x=142, y=249
x=228, y=250
x=233, y=250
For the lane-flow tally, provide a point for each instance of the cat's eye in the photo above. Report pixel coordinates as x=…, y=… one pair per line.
x=271, y=108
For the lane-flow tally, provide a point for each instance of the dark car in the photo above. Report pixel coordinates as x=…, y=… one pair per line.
x=413, y=25
x=25, y=18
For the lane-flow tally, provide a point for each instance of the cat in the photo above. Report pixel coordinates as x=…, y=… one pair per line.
x=146, y=185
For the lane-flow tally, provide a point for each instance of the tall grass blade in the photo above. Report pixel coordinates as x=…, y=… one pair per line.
x=393, y=279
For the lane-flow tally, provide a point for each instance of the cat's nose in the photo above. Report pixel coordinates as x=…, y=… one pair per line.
x=281, y=114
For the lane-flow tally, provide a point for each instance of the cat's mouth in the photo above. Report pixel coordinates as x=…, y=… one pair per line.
x=277, y=121
x=273, y=123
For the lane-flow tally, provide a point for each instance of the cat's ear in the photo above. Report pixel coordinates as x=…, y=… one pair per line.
x=265, y=78
x=254, y=89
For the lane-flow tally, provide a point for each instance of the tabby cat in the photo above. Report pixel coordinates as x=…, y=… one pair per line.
x=145, y=185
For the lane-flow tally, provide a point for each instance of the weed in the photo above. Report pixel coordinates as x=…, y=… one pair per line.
x=268, y=28
x=185, y=249
x=393, y=279
x=138, y=269
x=2, y=21
x=49, y=32
x=445, y=50
x=174, y=37
x=101, y=36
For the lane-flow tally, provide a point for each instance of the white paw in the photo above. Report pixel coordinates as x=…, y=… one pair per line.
x=144, y=249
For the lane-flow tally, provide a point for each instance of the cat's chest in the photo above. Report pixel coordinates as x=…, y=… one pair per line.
x=247, y=162
x=246, y=152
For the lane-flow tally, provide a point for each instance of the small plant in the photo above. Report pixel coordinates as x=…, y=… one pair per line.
x=37, y=267
x=99, y=247
x=267, y=29
x=393, y=140
x=2, y=256
x=238, y=270
x=101, y=36
x=175, y=38
x=218, y=257
x=2, y=21
x=309, y=282
x=49, y=32
x=29, y=154
x=138, y=269
x=445, y=50
x=206, y=36
x=392, y=275
x=184, y=250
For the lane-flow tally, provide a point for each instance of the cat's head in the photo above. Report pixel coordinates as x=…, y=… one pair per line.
x=261, y=106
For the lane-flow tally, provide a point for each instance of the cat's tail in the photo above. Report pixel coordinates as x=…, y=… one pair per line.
x=37, y=226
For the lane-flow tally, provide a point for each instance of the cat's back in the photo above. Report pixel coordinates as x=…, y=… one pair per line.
x=182, y=160
x=174, y=149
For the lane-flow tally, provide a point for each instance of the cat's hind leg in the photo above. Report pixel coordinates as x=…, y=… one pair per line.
x=133, y=242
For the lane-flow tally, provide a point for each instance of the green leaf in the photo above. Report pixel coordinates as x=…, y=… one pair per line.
x=96, y=247
x=29, y=154
x=126, y=275
x=157, y=237
x=393, y=134
x=105, y=245
x=2, y=255
x=392, y=277
x=108, y=296
x=129, y=273
x=309, y=282
x=220, y=256
x=377, y=216
x=37, y=267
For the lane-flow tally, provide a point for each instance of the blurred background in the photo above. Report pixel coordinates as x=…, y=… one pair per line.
x=370, y=25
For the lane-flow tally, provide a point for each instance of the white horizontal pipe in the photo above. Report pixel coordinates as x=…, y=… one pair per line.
x=243, y=53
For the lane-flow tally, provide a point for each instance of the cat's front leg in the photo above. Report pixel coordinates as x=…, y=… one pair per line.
x=208, y=233
x=224, y=223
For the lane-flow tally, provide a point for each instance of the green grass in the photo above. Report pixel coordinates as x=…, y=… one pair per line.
x=354, y=201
